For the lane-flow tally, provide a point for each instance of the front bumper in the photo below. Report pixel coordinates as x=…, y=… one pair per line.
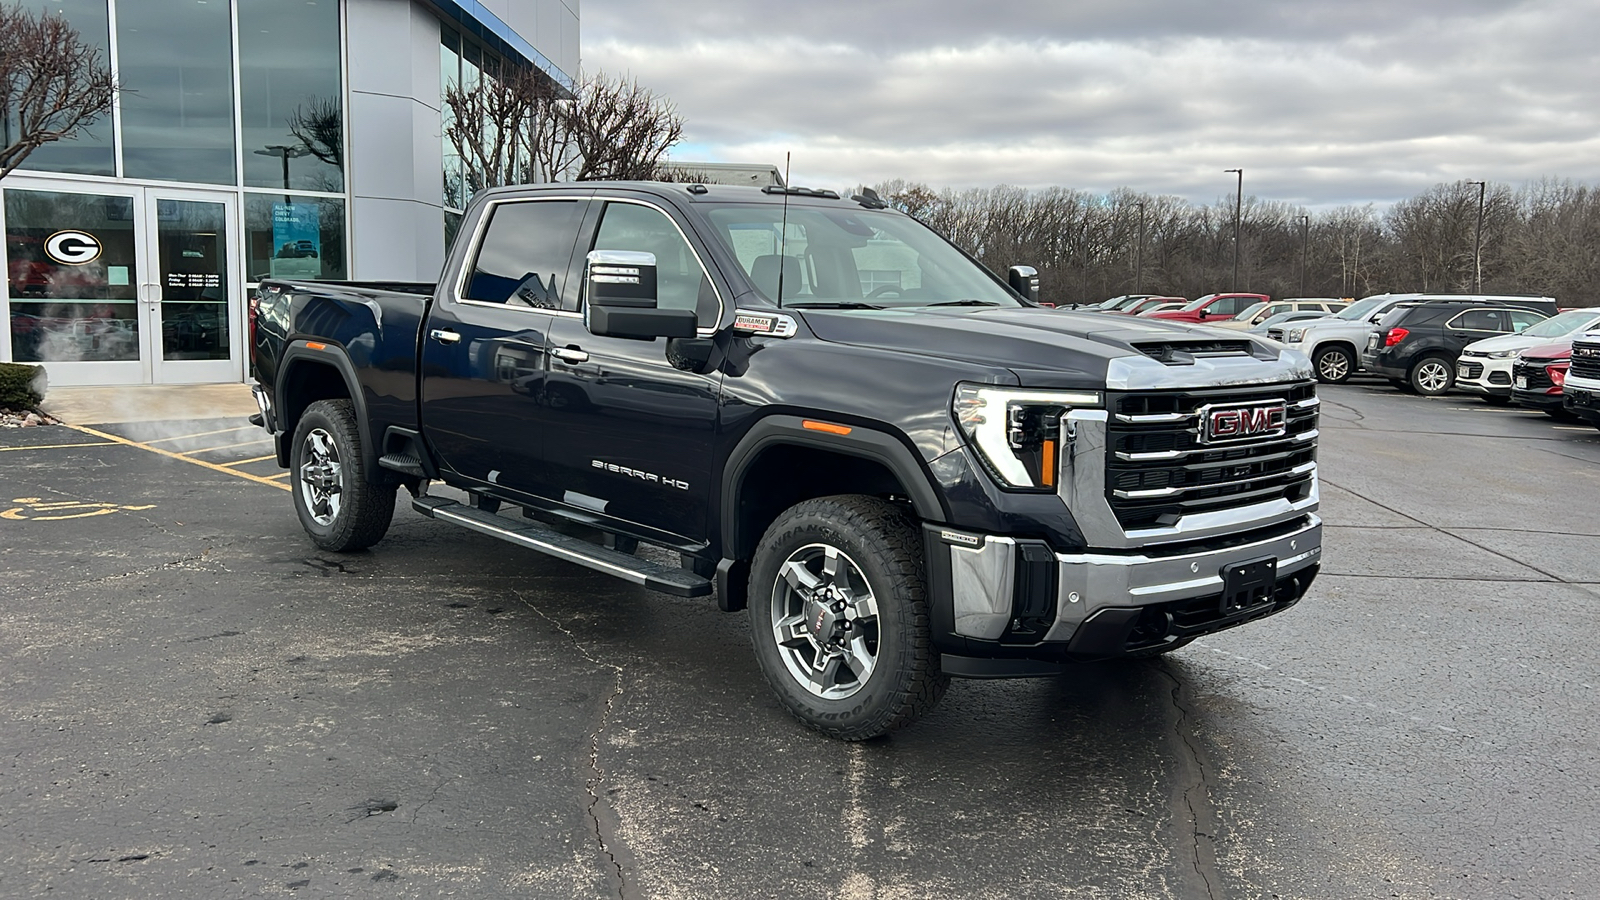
x=1484, y=375
x=1004, y=598
x=1581, y=397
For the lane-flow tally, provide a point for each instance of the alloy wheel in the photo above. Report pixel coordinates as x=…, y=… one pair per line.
x=1433, y=377
x=1333, y=366
x=321, y=476
x=825, y=620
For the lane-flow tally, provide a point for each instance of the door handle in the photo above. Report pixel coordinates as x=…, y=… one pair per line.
x=444, y=337
x=570, y=354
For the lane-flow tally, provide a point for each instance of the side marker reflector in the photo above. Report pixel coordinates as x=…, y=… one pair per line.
x=828, y=427
x=313, y=345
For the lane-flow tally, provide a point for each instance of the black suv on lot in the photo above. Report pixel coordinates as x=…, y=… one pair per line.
x=1417, y=344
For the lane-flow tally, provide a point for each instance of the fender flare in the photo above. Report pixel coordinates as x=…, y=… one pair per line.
x=881, y=447
x=328, y=354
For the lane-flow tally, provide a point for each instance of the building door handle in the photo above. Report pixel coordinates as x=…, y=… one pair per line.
x=570, y=354
x=445, y=337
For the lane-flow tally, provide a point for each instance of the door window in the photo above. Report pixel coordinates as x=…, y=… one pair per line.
x=525, y=253
x=1480, y=320
x=1523, y=318
x=1229, y=306
x=681, y=283
x=192, y=256
x=73, y=271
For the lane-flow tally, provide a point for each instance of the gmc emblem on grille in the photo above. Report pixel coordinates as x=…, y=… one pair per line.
x=1237, y=423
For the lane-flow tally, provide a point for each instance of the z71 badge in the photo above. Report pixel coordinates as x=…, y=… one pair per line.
x=640, y=474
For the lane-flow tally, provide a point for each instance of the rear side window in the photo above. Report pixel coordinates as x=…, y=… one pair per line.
x=1480, y=320
x=525, y=253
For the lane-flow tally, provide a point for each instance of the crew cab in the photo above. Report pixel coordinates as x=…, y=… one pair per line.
x=813, y=408
x=1212, y=306
x=1417, y=344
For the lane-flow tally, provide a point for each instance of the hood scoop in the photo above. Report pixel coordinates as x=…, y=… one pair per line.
x=1183, y=352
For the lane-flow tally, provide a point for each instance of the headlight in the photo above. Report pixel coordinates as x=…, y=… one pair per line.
x=1295, y=335
x=1017, y=432
x=1503, y=354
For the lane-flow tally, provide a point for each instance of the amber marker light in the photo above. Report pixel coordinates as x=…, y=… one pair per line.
x=829, y=427
x=313, y=345
x=1048, y=464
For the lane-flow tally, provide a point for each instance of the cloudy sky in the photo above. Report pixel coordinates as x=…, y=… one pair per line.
x=1321, y=103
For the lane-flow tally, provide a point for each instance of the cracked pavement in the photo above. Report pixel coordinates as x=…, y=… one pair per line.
x=197, y=703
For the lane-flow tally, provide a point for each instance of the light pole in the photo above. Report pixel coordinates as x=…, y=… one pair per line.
x=1138, y=263
x=284, y=153
x=1305, y=244
x=1477, y=242
x=1238, y=204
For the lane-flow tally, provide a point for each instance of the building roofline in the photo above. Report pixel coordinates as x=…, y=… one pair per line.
x=475, y=19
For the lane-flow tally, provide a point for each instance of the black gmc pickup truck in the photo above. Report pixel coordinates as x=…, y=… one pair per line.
x=820, y=410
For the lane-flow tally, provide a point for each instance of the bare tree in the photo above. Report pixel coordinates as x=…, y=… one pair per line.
x=319, y=125
x=53, y=84
x=620, y=129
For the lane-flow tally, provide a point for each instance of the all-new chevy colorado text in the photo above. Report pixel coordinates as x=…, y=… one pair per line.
x=903, y=467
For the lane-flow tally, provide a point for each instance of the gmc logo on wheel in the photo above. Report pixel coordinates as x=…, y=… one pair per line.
x=1235, y=423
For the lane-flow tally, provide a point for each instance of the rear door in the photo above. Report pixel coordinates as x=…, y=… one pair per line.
x=484, y=346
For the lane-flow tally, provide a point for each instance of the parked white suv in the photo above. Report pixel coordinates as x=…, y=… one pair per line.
x=1485, y=366
x=1334, y=343
x=1254, y=315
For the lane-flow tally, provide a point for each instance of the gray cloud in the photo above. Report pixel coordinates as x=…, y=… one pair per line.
x=1320, y=103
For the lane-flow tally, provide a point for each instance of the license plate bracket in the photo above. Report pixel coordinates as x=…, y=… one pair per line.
x=1248, y=584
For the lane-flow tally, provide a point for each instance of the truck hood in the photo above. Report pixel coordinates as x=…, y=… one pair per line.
x=1043, y=347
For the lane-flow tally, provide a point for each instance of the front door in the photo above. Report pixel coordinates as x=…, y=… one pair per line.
x=190, y=300
x=123, y=285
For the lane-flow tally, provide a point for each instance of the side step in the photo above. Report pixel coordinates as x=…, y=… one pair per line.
x=534, y=536
x=402, y=462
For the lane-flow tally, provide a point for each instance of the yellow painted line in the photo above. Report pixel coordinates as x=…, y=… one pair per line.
x=245, y=462
x=62, y=446
x=230, y=446
x=196, y=434
x=279, y=475
x=168, y=453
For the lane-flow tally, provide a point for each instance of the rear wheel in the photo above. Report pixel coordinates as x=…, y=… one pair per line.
x=1335, y=365
x=337, y=506
x=839, y=617
x=1432, y=376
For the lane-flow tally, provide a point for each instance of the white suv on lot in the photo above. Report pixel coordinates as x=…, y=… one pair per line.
x=1485, y=366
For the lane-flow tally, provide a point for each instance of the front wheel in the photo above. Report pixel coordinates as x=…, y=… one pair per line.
x=839, y=617
x=1432, y=376
x=1335, y=365
x=336, y=504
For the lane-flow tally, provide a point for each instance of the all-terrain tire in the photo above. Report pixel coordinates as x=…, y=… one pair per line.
x=817, y=569
x=337, y=506
x=1334, y=365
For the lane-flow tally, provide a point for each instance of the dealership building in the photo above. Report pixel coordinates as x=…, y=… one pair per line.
x=250, y=139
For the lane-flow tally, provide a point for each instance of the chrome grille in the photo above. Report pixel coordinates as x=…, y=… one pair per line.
x=1157, y=469
x=1586, y=360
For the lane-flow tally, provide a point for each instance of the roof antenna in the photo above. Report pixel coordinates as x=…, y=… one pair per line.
x=783, y=233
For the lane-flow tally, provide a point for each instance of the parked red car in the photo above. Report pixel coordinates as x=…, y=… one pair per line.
x=1213, y=306
x=1537, y=377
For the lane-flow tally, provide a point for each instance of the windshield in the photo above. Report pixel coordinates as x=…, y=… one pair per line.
x=850, y=258
x=1361, y=308
x=1562, y=324
x=1249, y=312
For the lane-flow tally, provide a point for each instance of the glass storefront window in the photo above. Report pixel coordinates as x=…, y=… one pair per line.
x=175, y=64
x=293, y=237
x=90, y=153
x=71, y=263
x=449, y=77
x=289, y=95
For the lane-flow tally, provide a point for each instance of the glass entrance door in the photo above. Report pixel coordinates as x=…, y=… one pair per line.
x=123, y=285
x=190, y=299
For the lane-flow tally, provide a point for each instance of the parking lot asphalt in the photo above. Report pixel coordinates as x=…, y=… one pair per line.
x=198, y=703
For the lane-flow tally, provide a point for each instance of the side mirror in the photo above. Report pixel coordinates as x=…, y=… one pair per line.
x=1375, y=317
x=1205, y=313
x=1025, y=281
x=620, y=298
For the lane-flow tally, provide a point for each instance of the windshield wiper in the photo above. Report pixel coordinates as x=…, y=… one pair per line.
x=832, y=304
x=963, y=303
